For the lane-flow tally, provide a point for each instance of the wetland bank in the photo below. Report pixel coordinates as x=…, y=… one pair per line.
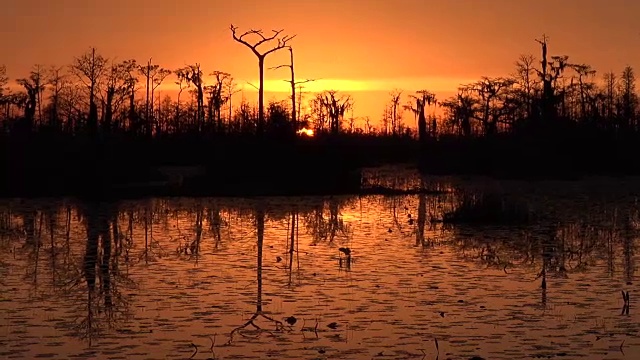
x=417, y=276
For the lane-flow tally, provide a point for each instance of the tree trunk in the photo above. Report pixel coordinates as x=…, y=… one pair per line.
x=260, y=127
x=294, y=120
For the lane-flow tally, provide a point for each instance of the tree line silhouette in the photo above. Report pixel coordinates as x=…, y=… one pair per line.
x=99, y=94
x=546, y=118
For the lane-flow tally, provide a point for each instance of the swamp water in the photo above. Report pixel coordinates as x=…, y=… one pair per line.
x=377, y=277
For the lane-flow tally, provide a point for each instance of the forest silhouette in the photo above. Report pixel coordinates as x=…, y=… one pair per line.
x=100, y=127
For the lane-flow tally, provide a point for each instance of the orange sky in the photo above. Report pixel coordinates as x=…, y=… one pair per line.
x=377, y=45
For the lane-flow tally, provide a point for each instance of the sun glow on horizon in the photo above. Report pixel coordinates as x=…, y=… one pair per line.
x=306, y=132
x=434, y=84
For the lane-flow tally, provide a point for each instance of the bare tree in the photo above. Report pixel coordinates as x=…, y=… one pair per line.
x=610, y=83
x=34, y=86
x=550, y=74
x=193, y=75
x=490, y=90
x=158, y=78
x=117, y=81
x=89, y=68
x=333, y=105
x=216, y=96
x=4, y=79
x=262, y=39
x=5, y=99
x=584, y=72
x=422, y=100
x=183, y=83
x=524, y=78
x=394, y=107
x=461, y=109
x=231, y=90
x=154, y=76
x=629, y=98
x=58, y=80
x=294, y=84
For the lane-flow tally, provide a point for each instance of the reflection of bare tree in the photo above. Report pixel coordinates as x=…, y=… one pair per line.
x=192, y=246
x=321, y=228
x=105, y=304
x=628, y=241
x=556, y=247
x=7, y=234
x=33, y=241
x=257, y=330
x=152, y=248
x=422, y=219
x=216, y=222
x=293, y=243
x=401, y=215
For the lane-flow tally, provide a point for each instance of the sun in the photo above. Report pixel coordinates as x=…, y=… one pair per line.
x=306, y=132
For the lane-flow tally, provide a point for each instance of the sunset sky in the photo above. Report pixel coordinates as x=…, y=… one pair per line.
x=366, y=47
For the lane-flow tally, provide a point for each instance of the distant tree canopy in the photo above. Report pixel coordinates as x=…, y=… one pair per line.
x=98, y=94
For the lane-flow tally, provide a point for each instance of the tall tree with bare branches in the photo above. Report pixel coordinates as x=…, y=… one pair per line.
x=422, y=100
x=154, y=76
x=282, y=42
x=58, y=80
x=334, y=106
x=217, y=98
x=4, y=79
x=117, y=84
x=490, y=90
x=4, y=97
x=524, y=77
x=193, y=75
x=394, y=107
x=34, y=85
x=294, y=84
x=628, y=96
x=584, y=72
x=89, y=68
x=183, y=83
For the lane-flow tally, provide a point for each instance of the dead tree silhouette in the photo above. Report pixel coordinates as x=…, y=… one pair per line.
x=89, y=69
x=154, y=76
x=34, y=86
x=293, y=83
x=422, y=99
x=282, y=42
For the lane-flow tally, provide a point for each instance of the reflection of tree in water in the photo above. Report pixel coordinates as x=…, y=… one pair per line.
x=292, y=251
x=188, y=223
x=422, y=220
x=557, y=247
x=190, y=244
x=327, y=224
x=257, y=330
x=106, y=305
x=32, y=241
x=49, y=237
x=6, y=230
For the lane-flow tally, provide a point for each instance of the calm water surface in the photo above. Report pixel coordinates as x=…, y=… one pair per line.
x=265, y=278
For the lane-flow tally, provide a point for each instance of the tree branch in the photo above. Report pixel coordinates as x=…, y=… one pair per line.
x=306, y=81
x=279, y=67
x=255, y=87
x=282, y=42
x=265, y=39
x=242, y=41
